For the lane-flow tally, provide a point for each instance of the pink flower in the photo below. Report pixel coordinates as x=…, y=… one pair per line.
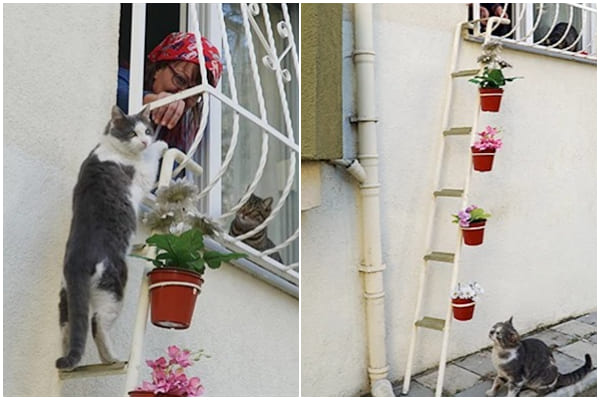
x=159, y=363
x=179, y=357
x=170, y=378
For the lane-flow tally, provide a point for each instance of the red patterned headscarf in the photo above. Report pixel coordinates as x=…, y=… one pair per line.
x=181, y=46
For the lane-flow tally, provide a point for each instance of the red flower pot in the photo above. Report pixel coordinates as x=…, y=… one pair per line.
x=483, y=159
x=490, y=99
x=173, y=295
x=473, y=234
x=463, y=309
x=142, y=393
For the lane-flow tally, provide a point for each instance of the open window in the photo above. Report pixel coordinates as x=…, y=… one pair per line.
x=249, y=142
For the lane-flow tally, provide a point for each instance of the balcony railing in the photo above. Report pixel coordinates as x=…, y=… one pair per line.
x=565, y=30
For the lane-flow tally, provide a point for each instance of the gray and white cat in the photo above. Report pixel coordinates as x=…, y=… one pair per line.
x=248, y=217
x=527, y=363
x=111, y=183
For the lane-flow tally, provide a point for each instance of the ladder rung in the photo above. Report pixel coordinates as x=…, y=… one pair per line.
x=466, y=72
x=464, y=130
x=440, y=256
x=448, y=193
x=431, y=323
x=119, y=367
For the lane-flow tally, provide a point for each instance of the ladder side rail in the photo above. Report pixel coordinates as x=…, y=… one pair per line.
x=141, y=319
x=429, y=234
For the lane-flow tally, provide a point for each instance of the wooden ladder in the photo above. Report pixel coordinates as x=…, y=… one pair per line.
x=422, y=321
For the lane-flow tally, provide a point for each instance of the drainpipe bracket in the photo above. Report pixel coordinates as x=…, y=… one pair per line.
x=371, y=268
x=355, y=119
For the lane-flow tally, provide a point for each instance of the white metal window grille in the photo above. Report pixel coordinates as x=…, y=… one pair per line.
x=248, y=137
x=565, y=30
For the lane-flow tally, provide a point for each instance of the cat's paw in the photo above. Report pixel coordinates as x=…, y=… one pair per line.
x=65, y=363
x=160, y=146
x=490, y=393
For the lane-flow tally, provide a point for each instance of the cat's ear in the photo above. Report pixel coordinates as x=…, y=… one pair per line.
x=510, y=321
x=513, y=337
x=268, y=202
x=145, y=112
x=116, y=113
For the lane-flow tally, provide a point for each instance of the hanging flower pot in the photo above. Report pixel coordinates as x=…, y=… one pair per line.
x=473, y=234
x=180, y=263
x=173, y=295
x=482, y=159
x=142, y=393
x=484, y=148
x=463, y=309
x=490, y=99
x=472, y=223
x=463, y=300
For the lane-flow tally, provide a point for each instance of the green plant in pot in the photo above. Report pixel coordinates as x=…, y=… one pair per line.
x=472, y=223
x=179, y=256
x=492, y=78
x=180, y=262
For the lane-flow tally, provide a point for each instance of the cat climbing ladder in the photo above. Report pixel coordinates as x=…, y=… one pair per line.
x=131, y=367
x=422, y=321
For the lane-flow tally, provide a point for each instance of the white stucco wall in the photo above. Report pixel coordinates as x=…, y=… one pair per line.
x=59, y=85
x=538, y=261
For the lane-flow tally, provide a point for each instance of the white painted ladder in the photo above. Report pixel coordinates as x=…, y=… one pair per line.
x=422, y=321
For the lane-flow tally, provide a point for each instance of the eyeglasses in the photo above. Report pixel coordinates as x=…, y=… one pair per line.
x=179, y=80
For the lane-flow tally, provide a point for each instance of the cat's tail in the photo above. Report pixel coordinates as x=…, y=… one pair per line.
x=78, y=300
x=578, y=374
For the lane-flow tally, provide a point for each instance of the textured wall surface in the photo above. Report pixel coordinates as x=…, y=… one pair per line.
x=59, y=85
x=538, y=261
x=322, y=91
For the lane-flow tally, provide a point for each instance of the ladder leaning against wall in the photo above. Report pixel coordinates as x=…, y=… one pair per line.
x=422, y=321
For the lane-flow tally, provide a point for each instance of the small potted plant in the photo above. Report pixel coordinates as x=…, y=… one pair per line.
x=169, y=378
x=180, y=262
x=180, y=258
x=491, y=79
x=463, y=300
x=484, y=148
x=472, y=223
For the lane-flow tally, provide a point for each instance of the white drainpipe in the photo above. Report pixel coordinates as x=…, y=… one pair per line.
x=372, y=266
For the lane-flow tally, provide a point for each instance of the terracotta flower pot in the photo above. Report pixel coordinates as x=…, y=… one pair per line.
x=173, y=295
x=483, y=159
x=473, y=234
x=142, y=393
x=490, y=98
x=463, y=309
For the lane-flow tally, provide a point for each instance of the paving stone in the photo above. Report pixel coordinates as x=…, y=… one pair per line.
x=588, y=319
x=575, y=328
x=479, y=363
x=478, y=390
x=553, y=338
x=527, y=393
x=416, y=390
x=592, y=338
x=566, y=363
x=456, y=379
x=579, y=349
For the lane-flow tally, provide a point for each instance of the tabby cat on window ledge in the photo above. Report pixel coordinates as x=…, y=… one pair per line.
x=111, y=183
x=248, y=217
x=527, y=363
